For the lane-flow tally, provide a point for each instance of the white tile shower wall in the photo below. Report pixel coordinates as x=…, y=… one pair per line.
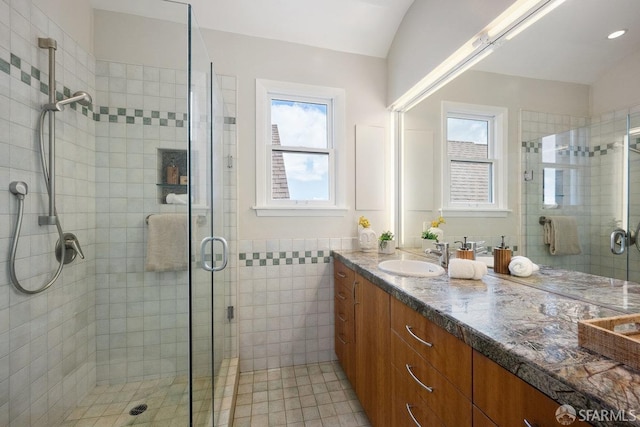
x=47, y=341
x=229, y=94
x=572, y=152
x=142, y=317
x=285, y=301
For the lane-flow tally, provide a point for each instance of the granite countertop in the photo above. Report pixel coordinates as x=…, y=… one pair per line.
x=527, y=325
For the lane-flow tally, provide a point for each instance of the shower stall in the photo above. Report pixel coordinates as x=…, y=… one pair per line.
x=588, y=168
x=138, y=330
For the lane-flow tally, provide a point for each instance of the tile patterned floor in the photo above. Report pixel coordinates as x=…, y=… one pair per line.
x=167, y=400
x=315, y=395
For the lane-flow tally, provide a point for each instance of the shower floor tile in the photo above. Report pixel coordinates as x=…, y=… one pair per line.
x=307, y=395
x=167, y=403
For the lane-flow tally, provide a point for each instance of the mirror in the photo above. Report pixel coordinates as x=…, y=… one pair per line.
x=561, y=77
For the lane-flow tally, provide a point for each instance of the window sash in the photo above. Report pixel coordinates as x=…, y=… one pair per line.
x=496, y=118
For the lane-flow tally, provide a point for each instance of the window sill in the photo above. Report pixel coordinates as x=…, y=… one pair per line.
x=303, y=211
x=475, y=213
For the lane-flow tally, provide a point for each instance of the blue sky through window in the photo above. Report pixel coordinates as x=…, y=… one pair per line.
x=303, y=124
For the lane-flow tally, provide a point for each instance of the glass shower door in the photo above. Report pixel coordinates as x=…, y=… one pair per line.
x=208, y=255
x=633, y=191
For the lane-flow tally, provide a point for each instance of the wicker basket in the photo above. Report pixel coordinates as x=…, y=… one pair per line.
x=615, y=337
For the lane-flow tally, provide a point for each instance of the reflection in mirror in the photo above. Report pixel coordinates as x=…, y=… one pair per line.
x=568, y=149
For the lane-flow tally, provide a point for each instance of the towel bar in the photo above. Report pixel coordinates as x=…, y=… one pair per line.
x=201, y=219
x=543, y=220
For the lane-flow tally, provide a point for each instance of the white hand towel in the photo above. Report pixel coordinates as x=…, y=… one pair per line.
x=561, y=234
x=167, y=243
x=176, y=199
x=466, y=269
x=522, y=266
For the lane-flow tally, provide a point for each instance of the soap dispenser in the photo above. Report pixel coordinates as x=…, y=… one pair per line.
x=464, y=252
x=501, y=258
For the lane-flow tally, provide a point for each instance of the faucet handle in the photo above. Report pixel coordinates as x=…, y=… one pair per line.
x=71, y=241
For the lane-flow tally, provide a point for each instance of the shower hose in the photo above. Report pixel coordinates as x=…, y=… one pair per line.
x=20, y=195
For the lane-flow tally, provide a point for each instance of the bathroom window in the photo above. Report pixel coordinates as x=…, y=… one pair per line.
x=474, y=152
x=299, y=131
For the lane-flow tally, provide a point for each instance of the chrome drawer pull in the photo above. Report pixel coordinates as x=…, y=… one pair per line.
x=342, y=297
x=528, y=424
x=342, y=319
x=411, y=415
x=429, y=389
x=428, y=344
x=342, y=341
x=341, y=274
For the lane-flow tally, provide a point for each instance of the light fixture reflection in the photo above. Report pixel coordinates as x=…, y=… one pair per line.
x=616, y=34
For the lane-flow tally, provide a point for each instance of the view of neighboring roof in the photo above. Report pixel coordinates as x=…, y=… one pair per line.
x=279, y=184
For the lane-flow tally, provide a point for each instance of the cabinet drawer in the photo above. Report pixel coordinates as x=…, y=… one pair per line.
x=343, y=311
x=342, y=274
x=480, y=419
x=493, y=386
x=344, y=293
x=445, y=400
x=408, y=408
x=446, y=353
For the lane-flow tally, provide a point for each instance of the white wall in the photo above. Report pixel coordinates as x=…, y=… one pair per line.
x=514, y=93
x=364, y=80
x=618, y=87
x=75, y=16
x=430, y=32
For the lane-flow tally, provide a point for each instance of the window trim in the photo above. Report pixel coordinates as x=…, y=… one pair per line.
x=497, y=156
x=266, y=90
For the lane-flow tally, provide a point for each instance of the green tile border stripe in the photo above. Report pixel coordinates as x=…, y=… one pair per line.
x=33, y=77
x=264, y=259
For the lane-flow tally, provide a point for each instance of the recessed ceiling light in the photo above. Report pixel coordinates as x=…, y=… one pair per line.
x=616, y=34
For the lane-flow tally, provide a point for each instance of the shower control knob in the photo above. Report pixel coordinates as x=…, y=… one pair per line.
x=19, y=188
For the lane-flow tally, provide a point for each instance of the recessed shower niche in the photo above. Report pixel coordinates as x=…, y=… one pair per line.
x=172, y=175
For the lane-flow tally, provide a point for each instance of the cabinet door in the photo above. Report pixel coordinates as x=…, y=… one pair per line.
x=508, y=400
x=372, y=351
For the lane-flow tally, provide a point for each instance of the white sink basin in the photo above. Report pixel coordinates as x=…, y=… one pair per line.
x=406, y=267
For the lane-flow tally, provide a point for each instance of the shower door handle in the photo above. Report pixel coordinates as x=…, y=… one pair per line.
x=618, y=241
x=203, y=256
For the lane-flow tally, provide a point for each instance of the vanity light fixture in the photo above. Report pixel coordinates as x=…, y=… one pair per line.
x=520, y=15
x=616, y=34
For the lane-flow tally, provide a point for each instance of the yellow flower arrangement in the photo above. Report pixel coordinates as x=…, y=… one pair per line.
x=364, y=222
x=437, y=222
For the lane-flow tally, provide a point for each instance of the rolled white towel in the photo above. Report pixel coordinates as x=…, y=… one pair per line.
x=522, y=266
x=177, y=199
x=466, y=269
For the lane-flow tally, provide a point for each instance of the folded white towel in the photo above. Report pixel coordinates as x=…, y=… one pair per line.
x=561, y=234
x=177, y=199
x=522, y=266
x=466, y=269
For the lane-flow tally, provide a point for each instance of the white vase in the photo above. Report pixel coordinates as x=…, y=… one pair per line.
x=367, y=239
x=387, y=247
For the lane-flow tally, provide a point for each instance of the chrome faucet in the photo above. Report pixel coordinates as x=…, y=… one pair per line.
x=442, y=251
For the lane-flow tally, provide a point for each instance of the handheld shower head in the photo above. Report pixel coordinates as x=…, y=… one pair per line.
x=81, y=97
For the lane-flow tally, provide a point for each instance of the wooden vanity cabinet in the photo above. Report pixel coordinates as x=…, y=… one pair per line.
x=372, y=384
x=509, y=401
x=433, y=364
x=344, y=316
x=392, y=355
